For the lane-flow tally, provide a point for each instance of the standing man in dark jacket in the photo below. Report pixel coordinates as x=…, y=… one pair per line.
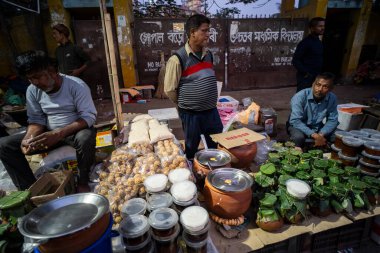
x=72, y=60
x=308, y=57
x=190, y=83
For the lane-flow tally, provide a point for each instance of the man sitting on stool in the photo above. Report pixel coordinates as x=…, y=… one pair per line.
x=309, y=107
x=60, y=112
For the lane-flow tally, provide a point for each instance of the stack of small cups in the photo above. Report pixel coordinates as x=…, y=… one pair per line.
x=195, y=223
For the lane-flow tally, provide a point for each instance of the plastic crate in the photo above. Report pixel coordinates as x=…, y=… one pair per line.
x=355, y=234
x=325, y=242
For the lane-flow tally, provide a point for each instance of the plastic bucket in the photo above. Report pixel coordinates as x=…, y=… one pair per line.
x=102, y=245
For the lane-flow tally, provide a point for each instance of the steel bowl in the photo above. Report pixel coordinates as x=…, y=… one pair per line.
x=64, y=216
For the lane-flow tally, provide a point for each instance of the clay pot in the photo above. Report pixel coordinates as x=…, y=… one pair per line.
x=241, y=156
x=270, y=226
x=227, y=204
x=77, y=241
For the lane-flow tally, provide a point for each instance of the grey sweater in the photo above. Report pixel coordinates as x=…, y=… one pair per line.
x=72, y=102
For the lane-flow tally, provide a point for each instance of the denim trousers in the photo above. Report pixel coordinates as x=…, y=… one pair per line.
x=18, y=167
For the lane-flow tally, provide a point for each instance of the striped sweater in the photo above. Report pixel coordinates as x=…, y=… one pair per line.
x=197, y=89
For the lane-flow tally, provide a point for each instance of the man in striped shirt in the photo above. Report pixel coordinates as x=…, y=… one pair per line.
x=190, y=83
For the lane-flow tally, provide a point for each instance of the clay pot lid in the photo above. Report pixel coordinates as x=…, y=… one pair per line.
x=214, y=157
x=134, y=226
x=341, y=134
x=183, y=191
x=358, y=133
x=369, y=131
x=352, y=141
x=373, y=145
x=179, y=175
x=159, y=200
x=229, y=179
x=344, y=157
x=156, y=183
x=370, y=156
x=194, y=218
x=365, y=139
x=163, y=218
x=333, y=147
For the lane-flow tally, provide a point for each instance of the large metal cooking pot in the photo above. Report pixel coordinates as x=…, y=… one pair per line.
x=213, y=158
x=67, y=224
x=228, y=192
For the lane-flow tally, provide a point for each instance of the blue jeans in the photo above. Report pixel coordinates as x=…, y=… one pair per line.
x=299, y=138
x=196, y=123
x=18, y=167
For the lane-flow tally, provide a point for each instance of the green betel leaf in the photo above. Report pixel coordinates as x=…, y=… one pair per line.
x=283, y=178
x=274, y=155
x=269, y=200
x=288, y=168
x=303, y=166
x=316, y=153
x=372, y=181
x=356, y=184
x=358, y=201
x=268, y=168
x=322, y=191
x=335, y=171
x=303, y=175
x=264, y=181
x=349, y=170
x=321, y=164
x=295, y=152
x=290, y=144
x=317, y=173
x=337, y=206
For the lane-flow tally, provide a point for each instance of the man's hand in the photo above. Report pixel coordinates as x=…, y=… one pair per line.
x=25, y=147
x=46, y=140
x=319, y=140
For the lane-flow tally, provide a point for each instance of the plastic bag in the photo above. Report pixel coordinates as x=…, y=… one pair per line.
x=263, y=148
x=160, y=133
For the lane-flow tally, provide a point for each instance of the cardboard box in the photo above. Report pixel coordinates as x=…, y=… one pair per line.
x=349, y=121
x=231, y=104
x=51, y=186
x=104, y=138
x=237, y=137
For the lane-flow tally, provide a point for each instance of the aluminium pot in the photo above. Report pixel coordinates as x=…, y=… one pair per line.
x=228, y=192
x=68, y=224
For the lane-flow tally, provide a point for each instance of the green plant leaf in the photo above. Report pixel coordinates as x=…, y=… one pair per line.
x=269, y=200
x=268, y=168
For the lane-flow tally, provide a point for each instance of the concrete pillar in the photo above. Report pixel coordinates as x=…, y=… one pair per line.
x=123, y=13
x=354, y=46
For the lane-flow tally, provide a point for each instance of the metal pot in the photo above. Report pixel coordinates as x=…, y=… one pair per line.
x=213, y=158
x=67, y=224
x=228, y=192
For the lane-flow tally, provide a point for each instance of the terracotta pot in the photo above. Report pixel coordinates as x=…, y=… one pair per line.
x=242, y=156
x=270, y=226
x=77, y=241
x=203, y=170
x=227, y=205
